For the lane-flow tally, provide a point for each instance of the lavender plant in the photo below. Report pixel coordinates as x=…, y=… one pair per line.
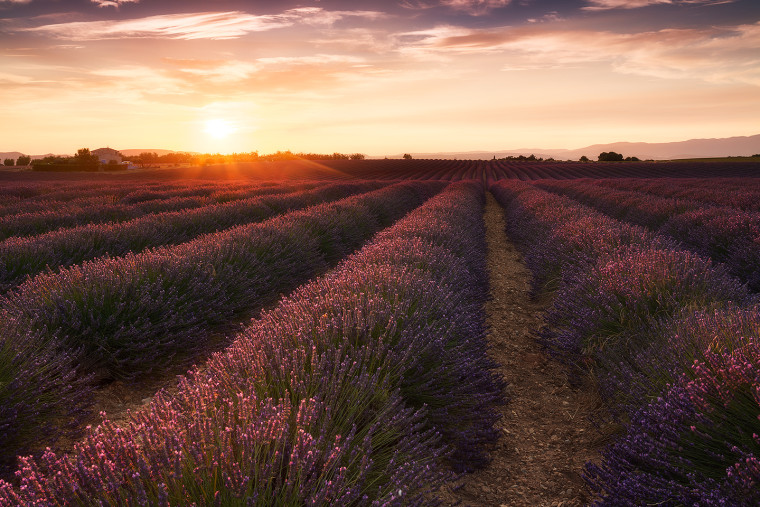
x=698, y=443
x=340, y=395
x=127, y=316
x=610, y=303
x=669, y=336
x=723, y=233
x=21, y=258
x=39, y=388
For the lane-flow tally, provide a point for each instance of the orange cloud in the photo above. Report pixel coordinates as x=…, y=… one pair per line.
x=204, y=25
x=719, y=54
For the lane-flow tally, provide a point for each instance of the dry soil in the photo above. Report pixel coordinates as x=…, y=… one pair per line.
x=546, y=429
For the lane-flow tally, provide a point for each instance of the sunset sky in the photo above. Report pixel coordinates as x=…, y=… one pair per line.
x=376, y=77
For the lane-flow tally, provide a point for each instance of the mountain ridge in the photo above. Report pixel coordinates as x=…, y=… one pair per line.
x=691, y=148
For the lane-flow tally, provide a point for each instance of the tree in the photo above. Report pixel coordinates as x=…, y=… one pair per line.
x=584, y=158
x=85, y=158
x=357, y=156
x=8, y=161
x=632, y=159
x=147, y=158
x=610, y=157
x=407, y=156
x=24, y=160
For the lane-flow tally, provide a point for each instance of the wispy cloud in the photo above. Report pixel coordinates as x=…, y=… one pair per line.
x=472, y=7
x=476, y=7
x=720, y=54
x=549, y=17
x=112, y=3
x=204, y=25
x=218, y=72
x=599, y=5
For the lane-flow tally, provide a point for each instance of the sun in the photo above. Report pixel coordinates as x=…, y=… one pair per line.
x=219, y=128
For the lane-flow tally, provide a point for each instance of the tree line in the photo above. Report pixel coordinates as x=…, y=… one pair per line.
x=147, y=159
x=84, y=160
x=22, y=160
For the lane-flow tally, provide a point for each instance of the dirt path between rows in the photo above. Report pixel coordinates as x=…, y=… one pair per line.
x=546, y=434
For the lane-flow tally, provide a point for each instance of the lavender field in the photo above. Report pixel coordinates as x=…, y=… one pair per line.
x=330, y=322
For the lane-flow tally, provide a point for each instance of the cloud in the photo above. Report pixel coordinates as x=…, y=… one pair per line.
x=204, y=25
x=234, y=72
x=549, y=17
x=717, y=54
x=599, y=5
x=472, y=7
x=476, y=7
x=112, y=3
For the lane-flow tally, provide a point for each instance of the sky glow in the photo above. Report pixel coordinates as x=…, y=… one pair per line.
x=375, y=77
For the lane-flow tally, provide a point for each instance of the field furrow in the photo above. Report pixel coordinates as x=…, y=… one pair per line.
x=365, y=386
x=21, y=258
x=79, y=212
x=123, y=317
x=665, y=334
x=725, y=234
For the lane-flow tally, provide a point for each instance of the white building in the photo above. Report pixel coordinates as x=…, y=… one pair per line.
x=105, y=155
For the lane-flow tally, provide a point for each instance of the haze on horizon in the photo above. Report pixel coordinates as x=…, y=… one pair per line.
x=372, y=76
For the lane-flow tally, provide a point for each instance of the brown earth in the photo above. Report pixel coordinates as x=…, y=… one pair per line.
x=546, y=433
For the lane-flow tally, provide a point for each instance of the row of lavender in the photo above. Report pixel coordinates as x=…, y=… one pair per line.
x=24, y=257
x=671, y=338
x=121, y=317
x=53, y=215
x=742, y=193
x=27, y=196
x=725, y=234
x=364, y=387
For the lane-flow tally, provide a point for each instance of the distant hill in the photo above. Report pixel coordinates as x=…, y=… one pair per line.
x=10, y=154
x=694, y=148
x=16, y=154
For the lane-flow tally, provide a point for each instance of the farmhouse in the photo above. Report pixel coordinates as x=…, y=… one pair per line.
x=106, y=155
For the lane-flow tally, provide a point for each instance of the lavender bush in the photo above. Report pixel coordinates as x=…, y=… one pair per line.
x=726, y=234
x=127, y=311
x=556, y=234
x=672, y=339
x=340, y=395
x=102, y=209
x=698, y=443
x=128, y=315
x=39, y=386
x=742, y=193
x=21, y=258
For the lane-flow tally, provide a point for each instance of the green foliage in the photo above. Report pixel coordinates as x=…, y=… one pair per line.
x=610, y=157
x=531, y=158
x=407, y=156
x=8, y=162
x=24, y=160
x=85, y=158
